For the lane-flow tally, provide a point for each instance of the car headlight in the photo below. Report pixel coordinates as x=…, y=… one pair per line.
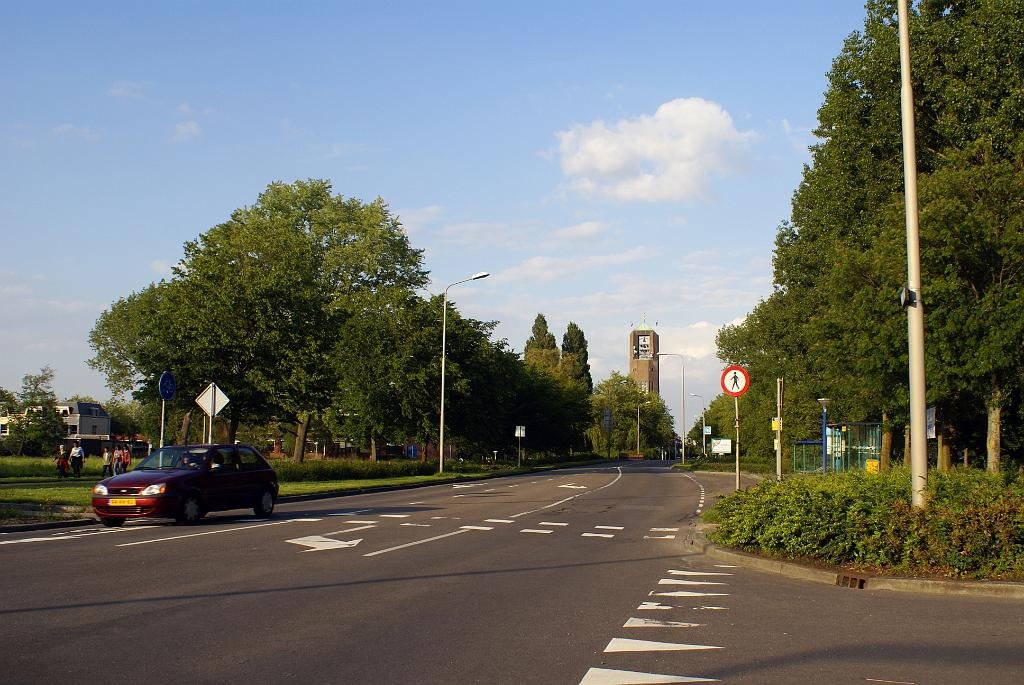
x=99, y=489
x=155, y=489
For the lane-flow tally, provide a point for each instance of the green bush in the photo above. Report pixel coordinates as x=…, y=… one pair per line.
x=973, y=525
x=349, y=469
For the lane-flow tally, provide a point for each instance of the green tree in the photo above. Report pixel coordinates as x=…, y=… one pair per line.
x=541, y=348
x=37, y=428
x=624, y=398
x=576, y=356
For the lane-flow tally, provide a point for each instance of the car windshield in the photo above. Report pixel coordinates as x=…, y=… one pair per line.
x=174, y=458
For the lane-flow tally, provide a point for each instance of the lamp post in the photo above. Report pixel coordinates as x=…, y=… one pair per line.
x=682, y=399
x=703, y=426
x=444, y=340
x=824, y=402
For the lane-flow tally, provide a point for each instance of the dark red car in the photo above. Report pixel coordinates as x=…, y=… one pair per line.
x=184, y=482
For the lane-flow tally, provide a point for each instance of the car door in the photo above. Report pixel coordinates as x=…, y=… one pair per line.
x=224, y=486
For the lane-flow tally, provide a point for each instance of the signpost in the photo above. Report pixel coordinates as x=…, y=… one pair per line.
x=520, y=433
x=167, y=387
x=735, y=381
x=211, y=401
x=606, y=422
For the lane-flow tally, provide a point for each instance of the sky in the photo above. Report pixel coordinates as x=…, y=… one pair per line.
x=606, y=162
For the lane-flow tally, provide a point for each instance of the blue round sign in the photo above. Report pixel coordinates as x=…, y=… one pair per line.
x=167, y=385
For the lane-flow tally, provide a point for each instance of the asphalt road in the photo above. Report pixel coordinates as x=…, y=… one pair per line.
x=580, y=576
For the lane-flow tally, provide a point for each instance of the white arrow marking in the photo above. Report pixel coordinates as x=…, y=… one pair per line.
x=698, y=573
x=687, y=593
x=318, y=543
x=607, y=676
x=621, y=644
x=677, y=581
x=655, y=623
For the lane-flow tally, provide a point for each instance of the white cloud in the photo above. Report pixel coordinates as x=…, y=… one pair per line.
x=162, y=267
x=661, y=157
x=481, y=234
x=70, y=130
x=545, y=268
x=416, y=220
x=127, y=90
x=186, y=130
x=185, y=108
x=585, y=230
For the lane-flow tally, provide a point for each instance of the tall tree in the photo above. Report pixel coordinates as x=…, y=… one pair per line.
x=576, y=356
x=36, y=429
x=541, y=348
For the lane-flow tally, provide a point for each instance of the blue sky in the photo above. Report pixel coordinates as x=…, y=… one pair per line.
x=604, y=161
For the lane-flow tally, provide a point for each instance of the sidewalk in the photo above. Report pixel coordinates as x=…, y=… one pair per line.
x=856, y=581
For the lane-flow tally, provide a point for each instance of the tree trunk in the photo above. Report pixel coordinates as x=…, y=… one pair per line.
x=301, y=428
x=373, y=446
x=886, y=454
x=232, y=429
x=992, y=441
x=186, y=427
x=906, y=445
x=944, y=462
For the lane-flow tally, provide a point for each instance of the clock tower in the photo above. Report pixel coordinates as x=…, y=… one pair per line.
x=643, y=357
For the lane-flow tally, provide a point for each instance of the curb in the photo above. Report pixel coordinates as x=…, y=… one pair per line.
x=849, y=579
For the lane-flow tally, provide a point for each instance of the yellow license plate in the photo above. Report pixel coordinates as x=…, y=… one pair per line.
x=122, y=501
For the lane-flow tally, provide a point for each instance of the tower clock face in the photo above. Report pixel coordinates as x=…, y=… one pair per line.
x=643, y=347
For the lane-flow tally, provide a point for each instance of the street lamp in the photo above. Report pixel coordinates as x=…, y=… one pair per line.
x=703, y=426
x=444, y=331
x=824, y=402
x=682, y=399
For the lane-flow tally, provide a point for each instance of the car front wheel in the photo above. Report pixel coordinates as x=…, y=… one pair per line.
x=265, y=504
x=191, y=510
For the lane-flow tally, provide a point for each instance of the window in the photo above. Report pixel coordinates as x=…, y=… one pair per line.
x=72, y=429
x=4, y=429
x=250, y=460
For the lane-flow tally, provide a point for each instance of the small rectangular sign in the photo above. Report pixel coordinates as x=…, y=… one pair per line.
x=721, y=446
x=520, y=431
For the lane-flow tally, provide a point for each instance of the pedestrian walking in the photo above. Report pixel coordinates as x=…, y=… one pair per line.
x=108, y=464
x=126, y=457
x=77, y=459
x=62, y=463
x=117, y=459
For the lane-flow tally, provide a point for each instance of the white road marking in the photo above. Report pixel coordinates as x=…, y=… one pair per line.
x=394, y=516
x=677, y=581
x=597, y=535
x=418, y=542
x=465, y=485
x=567, y=499
x=687, y=593
x=608, y=676
x=413, y=503
x=725, y=566
x=498, y=521
x=351, y=530
x=609, y=527
x=664, y=530
x=477, y=527
x=710, y=608
x=552, y=523
x=355, y=521
x=659, y=537
x=698, y=573
x=655, y=623
x=435, y=518
x=621, y=644
x=318, y=543
x=892, y=682
x=649, y=606
x=573, y=486
x=417, y=525
x=534, y=530
x=209, y=532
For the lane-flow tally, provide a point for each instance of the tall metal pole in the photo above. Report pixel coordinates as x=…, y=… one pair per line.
x=778, y=429
x=915, y=308
x=444, y=340
x=737, y=442
x=638, y=429
x=703, y=426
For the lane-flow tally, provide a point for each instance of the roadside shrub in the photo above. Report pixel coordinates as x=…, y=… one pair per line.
x=349, y=469
x=973, y=525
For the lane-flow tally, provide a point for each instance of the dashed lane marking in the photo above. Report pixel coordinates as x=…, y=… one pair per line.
x=609, y=527
x=394, y=516
x=698, y=573
x=597, y=535
x=552, y=523
x=363, y=522
x=724, y=566
x=664, y=530
x=608, y=676
x=622, y=644
x=687, y=593
x=535, y=530
x=417, y=525
x=659, y=537
x=498, y=521
x=477, y=527
x=677, y=581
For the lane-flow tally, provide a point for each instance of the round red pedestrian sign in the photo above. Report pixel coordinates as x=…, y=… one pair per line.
x=735, y=380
